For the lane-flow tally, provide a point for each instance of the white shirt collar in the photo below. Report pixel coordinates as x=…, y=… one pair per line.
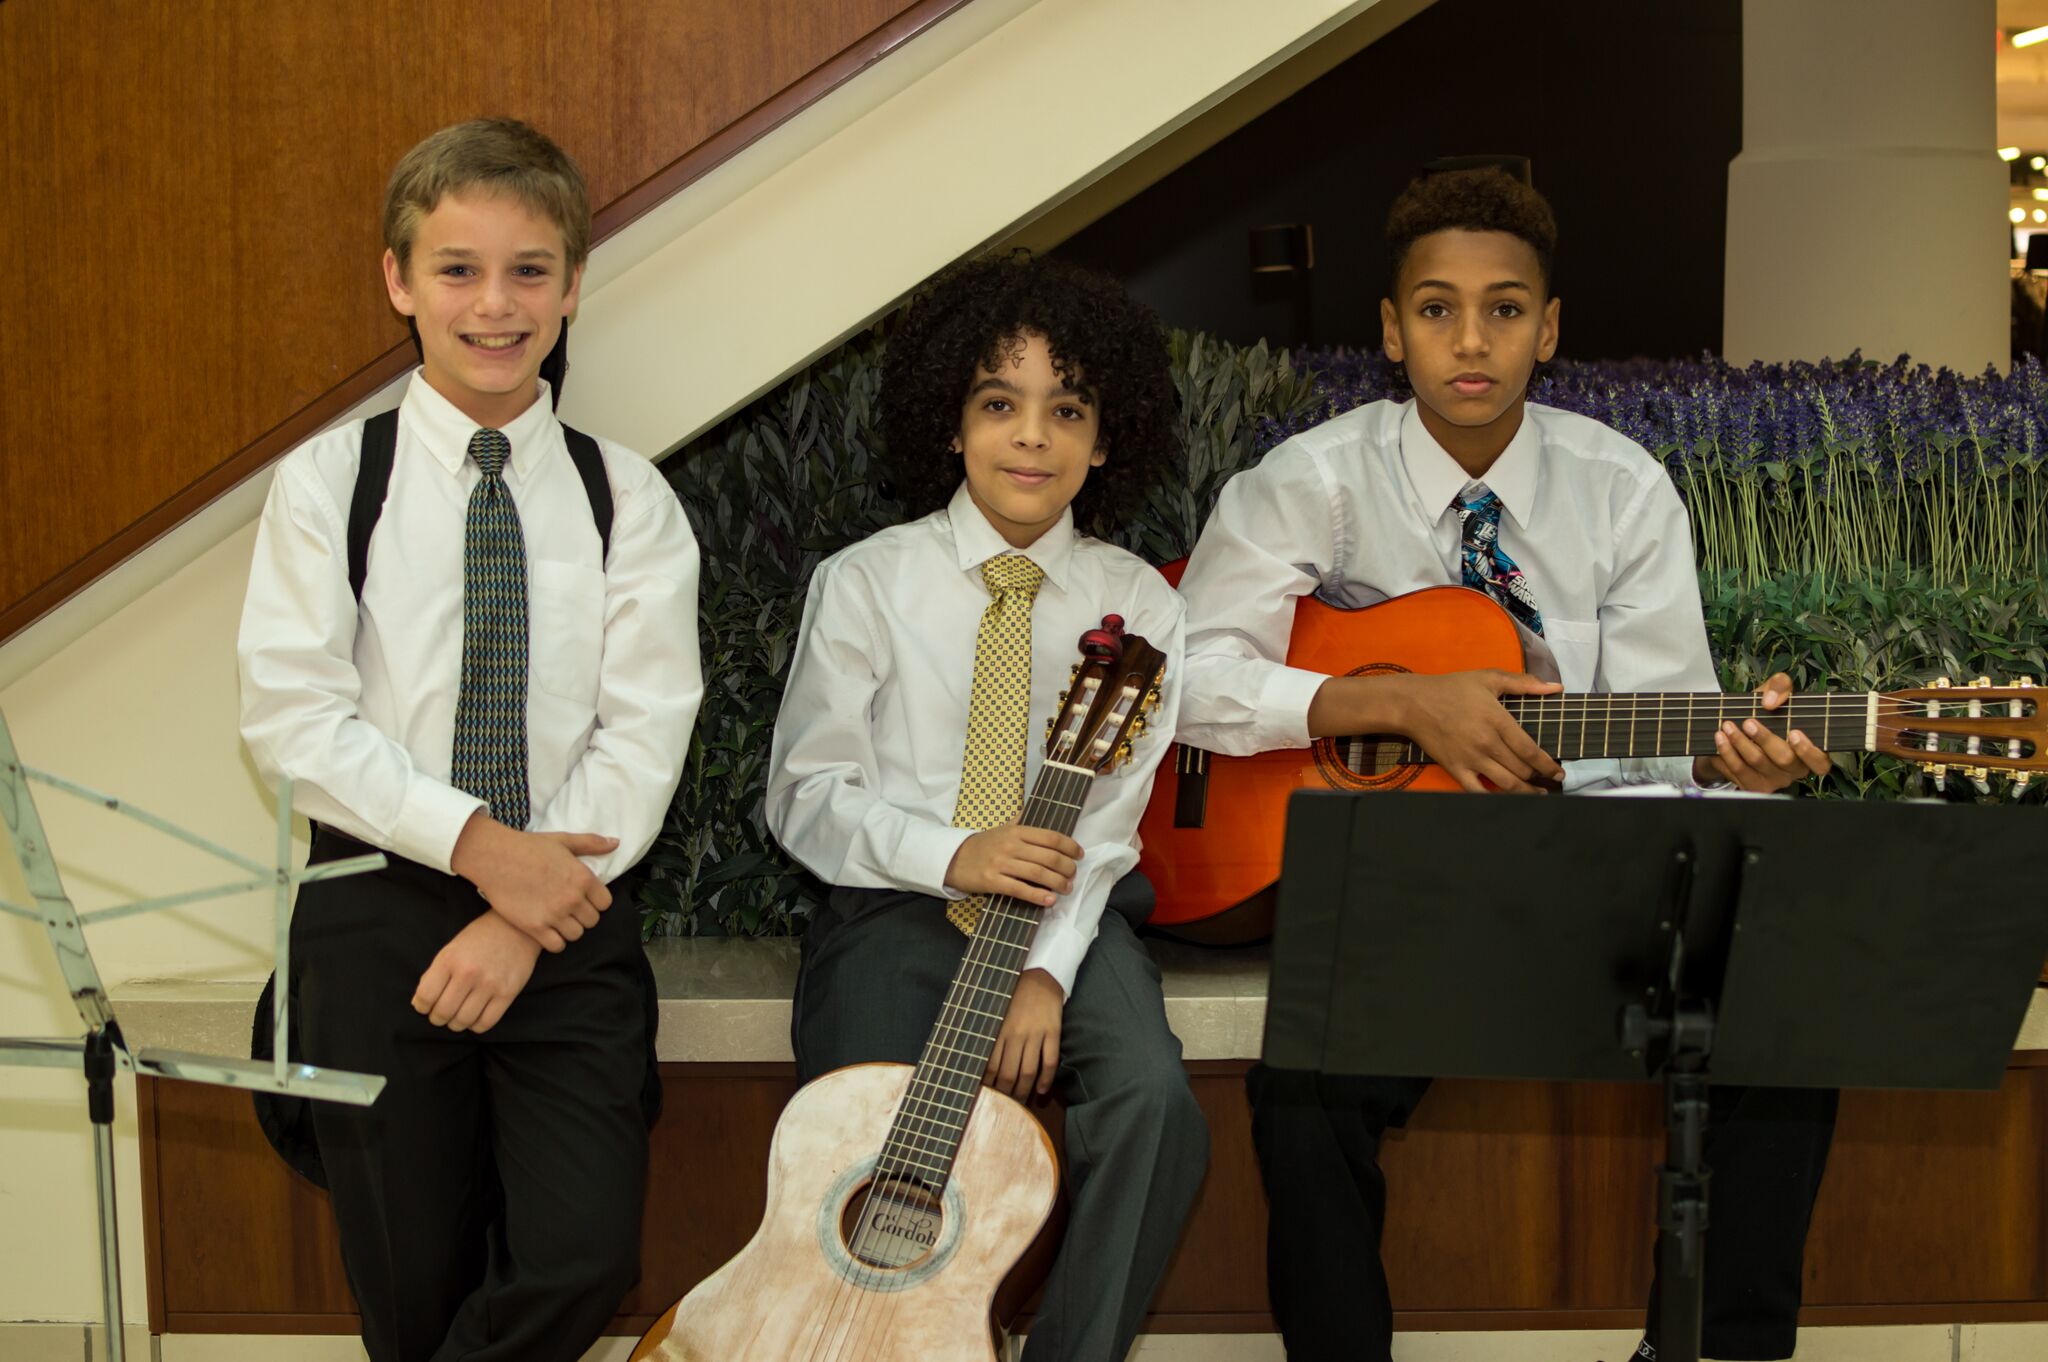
x=1438, y=479
x=975, y=541
x=440, y=425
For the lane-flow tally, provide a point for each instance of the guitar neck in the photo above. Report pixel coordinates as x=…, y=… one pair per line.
x=929, y=1125
x=1680, y=724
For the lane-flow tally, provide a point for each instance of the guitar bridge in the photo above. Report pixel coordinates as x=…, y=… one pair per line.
x=1191, y=797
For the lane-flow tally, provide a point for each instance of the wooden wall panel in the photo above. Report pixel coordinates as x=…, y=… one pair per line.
x=1511, y=1205
x=190, y=228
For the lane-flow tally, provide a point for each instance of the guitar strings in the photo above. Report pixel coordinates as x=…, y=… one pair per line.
x=1557, y=722
x=1007, y=927
x=1005, y=930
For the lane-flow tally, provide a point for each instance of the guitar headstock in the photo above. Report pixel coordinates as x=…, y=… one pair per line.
x=1973, y=729
x=1115, y=688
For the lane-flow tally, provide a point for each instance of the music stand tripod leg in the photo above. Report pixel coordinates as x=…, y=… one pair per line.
x=99, y=1089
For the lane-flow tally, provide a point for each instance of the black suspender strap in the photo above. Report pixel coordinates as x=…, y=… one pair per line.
x=373, y=483
x=590, y=467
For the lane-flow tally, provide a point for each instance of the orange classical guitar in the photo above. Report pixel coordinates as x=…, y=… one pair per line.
x=899, y=1198
x=1211, y=834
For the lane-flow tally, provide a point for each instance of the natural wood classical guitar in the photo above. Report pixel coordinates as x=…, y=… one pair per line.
x=1211, y=834
x=899, y=1198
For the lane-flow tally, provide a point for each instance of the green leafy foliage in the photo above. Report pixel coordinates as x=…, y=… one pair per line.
x=1859, y=635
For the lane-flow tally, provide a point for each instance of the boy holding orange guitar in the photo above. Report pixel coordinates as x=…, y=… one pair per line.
x=1020, y=399
x=1578, y=534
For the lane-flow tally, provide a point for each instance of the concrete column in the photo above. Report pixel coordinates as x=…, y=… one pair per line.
x=1867, y=208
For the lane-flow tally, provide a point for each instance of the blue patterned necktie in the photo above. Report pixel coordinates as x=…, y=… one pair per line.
x=1487, y=566
x=490, y=712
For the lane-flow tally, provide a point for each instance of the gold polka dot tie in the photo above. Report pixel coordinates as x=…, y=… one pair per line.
x=998, y=711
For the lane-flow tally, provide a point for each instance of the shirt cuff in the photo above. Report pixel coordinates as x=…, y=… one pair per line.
x=1058, y=949
x=925, y=854
x=1283, y=706
x=430, y=822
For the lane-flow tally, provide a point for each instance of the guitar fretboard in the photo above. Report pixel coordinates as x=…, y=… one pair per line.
x=1674, y=724
x=933, y=1117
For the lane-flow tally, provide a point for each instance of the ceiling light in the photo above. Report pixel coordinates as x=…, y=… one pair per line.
x=2008, y=153
x=2038, y=162
x=2041, y=215
x=2030, y=37
x=2019, y=214
x=2041, y=194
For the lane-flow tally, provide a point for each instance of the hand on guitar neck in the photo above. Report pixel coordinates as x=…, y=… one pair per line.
x=1456, y=717
x=1751, y=757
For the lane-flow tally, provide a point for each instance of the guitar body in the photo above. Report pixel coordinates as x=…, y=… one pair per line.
x=795, y=1294
x=1202, y=871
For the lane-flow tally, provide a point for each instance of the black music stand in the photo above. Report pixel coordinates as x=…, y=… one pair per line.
x=1779, y=943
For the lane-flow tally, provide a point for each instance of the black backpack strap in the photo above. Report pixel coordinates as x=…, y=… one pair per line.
x=590, y=467
x=373, y=482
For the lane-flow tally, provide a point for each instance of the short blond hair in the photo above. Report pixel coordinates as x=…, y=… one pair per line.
x=499, y=156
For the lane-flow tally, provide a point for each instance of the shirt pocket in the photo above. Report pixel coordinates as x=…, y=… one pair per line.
x=1576, y=646
x=567, y=648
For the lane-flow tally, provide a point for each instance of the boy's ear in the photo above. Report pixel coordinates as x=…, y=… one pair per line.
x=1098, y=456
x=1390, y=330
x=1546, y=341
x=572, y=297
x=394, y=284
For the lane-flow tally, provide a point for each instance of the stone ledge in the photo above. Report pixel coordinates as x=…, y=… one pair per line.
x=726, y=1001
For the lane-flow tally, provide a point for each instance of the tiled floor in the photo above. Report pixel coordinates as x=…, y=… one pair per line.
x=1908, y=1343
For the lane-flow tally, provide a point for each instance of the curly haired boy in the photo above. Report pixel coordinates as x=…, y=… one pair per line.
x=1020, y=396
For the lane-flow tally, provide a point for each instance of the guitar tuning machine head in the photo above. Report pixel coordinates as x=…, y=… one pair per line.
x=1940, y=774
x=1982, y=681
x=2025, y=683
x=1941, y=683
x=1123, y=751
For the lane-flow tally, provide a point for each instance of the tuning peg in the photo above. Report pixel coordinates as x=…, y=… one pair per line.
x=1073, y=671
x=1050, y=721
x=1940, y=774
x=1984, y=681
x=2020, y=781
x=1941, y=683
x=1152, y=698
x=1123, y=751
x=2025, y=683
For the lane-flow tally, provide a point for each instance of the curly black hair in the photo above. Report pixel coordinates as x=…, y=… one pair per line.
x=1486, y=199
x=1103, y=341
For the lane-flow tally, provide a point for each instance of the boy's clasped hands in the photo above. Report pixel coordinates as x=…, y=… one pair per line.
x=542, y=897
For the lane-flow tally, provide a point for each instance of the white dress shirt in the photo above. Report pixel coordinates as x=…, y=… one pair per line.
x=358, y=705
x=1359, y=510
x=865, y=768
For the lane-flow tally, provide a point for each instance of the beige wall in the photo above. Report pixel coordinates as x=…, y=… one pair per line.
x=981, y=124
x=1867, y=208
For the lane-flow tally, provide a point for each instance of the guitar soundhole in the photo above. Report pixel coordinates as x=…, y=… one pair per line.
x=891, y=1223
x=1374, y=761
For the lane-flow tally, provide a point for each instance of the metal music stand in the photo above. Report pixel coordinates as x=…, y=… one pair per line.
x=102, y=1051
x=1775, y=942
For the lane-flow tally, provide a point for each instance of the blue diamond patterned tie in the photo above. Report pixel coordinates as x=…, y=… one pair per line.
x=490, y=712
x=1487, y=566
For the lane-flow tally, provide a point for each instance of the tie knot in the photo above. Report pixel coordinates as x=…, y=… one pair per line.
x=1012, y=573
x=490, y=449
x=1478, y=502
